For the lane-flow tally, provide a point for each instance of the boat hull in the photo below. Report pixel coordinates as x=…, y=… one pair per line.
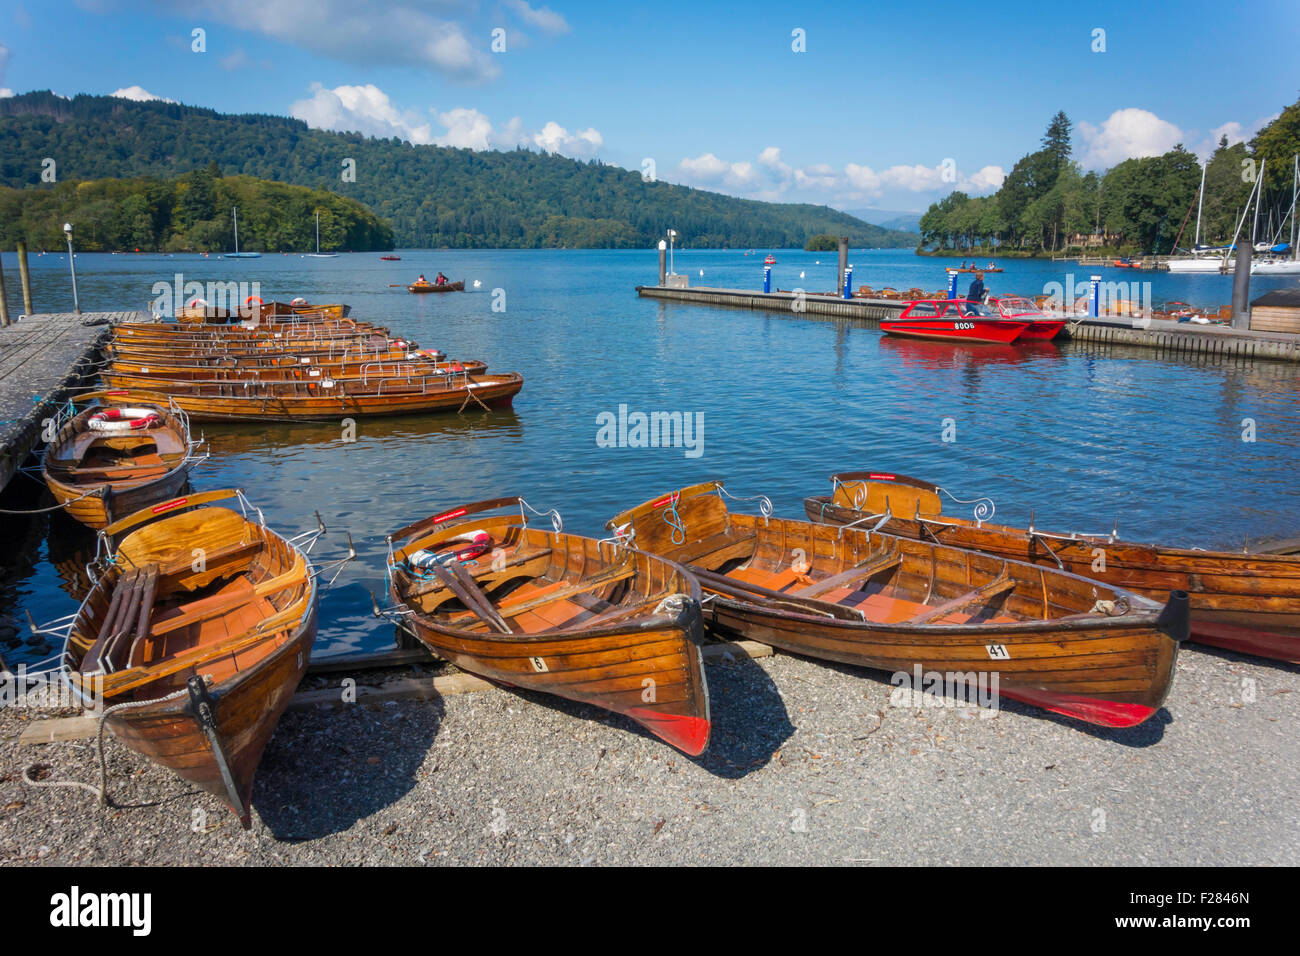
x=1249, y=603
x=974, y=329
x=458, y=286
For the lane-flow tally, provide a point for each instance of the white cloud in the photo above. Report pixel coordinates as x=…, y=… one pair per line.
x=1126, y=134
x=544, y=18
x=5, y=92
x=368, y=110
x=139, y=94
x=554, y=138
x=1236, y=133
x=370, y=32
x=771, y=178
x=361, y=109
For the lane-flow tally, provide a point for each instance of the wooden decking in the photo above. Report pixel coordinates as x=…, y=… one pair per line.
x=1159, y=334
x=42, y=357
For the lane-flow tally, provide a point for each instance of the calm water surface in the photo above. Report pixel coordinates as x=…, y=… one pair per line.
x=1082, y=434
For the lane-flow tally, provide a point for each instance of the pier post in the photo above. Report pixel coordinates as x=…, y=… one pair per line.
x=4, y=302
x=25, y=279
x=663, y=262
x=767, y=279
x=1241, y=287
x=844, y=260
x=1094, y=296
x=952, y=283
x=848, y=281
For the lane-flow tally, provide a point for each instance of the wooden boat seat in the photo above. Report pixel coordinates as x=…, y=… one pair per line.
x=716, y=550
x=980, y=595
x=839, y=581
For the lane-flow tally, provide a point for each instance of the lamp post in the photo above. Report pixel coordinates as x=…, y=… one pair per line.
x=672, y=236
x=76, y=304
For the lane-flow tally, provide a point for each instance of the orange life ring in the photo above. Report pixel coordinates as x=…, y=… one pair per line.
x=254, y=298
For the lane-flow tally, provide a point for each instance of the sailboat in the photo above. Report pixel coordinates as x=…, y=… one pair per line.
x=1285, y=261
x=318, y=254
x=1201, y=260
x=234, y=213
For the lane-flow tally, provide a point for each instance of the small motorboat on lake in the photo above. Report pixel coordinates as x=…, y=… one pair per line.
x=1041, y=325
x=957, y=320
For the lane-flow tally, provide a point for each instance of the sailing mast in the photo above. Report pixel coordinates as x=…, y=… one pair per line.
x=1254, y=228
x=234, y=214
x=1199, y=203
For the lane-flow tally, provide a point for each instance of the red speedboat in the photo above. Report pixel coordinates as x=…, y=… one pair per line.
x=770, y=261
x=955, y=319
x=1041, y=325
x=390, y=258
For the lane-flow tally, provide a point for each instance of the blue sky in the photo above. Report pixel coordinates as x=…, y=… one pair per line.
x=714, y=94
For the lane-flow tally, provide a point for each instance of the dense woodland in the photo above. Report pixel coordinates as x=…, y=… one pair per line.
x=1140, y=205
x=188, y=214
x=431, y=196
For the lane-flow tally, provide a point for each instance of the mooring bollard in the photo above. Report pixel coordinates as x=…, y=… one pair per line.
x=848, y=281
x=25, y=279
x=1094, y=296
x=767, y=279
x=4, y=302
x=1241, y=287
x=952, y=283
x=844, y=261
x=663, y=262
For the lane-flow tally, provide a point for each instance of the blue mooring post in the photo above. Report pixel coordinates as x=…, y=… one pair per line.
x=848, y=281
x=767, y=279
x=952, y=283
x=1094, y=297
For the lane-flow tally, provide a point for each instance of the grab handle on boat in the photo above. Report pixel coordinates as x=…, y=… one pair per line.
x=426, y=524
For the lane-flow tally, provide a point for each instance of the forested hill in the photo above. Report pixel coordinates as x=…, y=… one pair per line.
x=431, y=195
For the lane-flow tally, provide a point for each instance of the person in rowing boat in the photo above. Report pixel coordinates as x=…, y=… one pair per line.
x=441, y=280
x=977, y=291
x=422, y=280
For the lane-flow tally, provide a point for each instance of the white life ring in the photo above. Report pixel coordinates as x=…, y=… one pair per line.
x=121, y=419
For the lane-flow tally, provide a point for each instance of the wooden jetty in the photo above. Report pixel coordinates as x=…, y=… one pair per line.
x=42, y=357
x=1162, y=334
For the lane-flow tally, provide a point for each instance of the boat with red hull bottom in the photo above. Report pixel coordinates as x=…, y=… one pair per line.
x=1042, y=327
x=958, y=320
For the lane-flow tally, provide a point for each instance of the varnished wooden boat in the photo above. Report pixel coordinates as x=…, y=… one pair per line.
x=367, y=341
x=210, y=315
x=1247, y=602
x=102, y=468
x=165, y=380
x=172, y=335
x=539, y=609
x=336, y=400
x=458, y=286
x=1056, y=640
x=195, y=660
x=349, y=358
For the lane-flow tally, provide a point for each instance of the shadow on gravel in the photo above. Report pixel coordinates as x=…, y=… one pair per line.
x=327, y=768
x=1151, y=731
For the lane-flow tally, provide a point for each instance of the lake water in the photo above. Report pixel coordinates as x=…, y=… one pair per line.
x=1081, y=433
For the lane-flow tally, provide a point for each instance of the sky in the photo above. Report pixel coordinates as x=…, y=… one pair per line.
x=862, y=105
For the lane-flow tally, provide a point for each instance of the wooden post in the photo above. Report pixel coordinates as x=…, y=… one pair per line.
x=1241, y=287
x=844, y=261
x=4, y=303
x=25, y=279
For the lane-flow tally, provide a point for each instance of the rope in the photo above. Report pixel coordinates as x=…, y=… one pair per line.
x=102, y=790
x=674, y=520
x=39, y=511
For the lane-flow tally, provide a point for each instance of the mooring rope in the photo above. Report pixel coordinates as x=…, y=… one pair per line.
x=39, y=511
x=102, y=790
x=674, y=520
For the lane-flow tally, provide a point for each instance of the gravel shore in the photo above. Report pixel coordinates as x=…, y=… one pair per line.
x=809, y=764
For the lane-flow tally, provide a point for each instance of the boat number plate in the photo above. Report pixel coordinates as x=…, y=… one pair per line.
x=963, y=325
x=539, y=665
x=998, y=652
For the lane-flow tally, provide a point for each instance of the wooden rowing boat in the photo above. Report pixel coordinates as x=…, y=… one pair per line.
x=194, y=659
x=458, y=286
x=101, y=467
x=535, y=608
x=329, y=400
x=1056, y=640
x=172, y=335
x=344, y=358
x=182, y=378
x=1247, y=602
x=204, y=314
x=184, y=350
